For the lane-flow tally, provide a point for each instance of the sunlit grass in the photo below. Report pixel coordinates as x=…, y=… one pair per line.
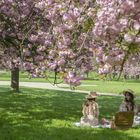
x=111, y=86
x=36, y=114
x=103, y=86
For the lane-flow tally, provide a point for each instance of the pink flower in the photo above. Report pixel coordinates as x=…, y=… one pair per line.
x=61, y=62
x=136, y=26
x=129, y=38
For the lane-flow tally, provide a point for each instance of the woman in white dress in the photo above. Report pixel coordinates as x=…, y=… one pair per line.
x=90, y=111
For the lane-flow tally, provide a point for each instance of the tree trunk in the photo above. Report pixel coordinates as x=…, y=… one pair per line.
x=15, y=79
x=87, y=73
x=125, y=76
x=137, y=77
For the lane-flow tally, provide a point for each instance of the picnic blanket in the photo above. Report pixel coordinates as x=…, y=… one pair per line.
x=136, y=122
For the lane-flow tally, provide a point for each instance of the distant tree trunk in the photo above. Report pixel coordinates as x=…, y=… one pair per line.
x=137, y=76
x=121, y=70
x=87, y=74
x=15, y=79
x=55, y=77
x=125, y=76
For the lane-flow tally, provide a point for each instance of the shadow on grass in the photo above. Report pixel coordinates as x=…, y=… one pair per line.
x=42, y=104
x=37, y=114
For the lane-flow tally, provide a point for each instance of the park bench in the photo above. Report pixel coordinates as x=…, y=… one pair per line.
x=124, y=120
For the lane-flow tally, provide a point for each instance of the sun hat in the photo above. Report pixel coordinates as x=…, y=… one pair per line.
x=128, y=91
x=92, y=95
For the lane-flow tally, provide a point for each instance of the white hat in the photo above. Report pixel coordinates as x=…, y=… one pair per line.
x=92, y=95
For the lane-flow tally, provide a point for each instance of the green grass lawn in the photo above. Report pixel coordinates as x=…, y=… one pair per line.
x=24, y=77
x=37, y=114
x=111, y=86
x=101, y=85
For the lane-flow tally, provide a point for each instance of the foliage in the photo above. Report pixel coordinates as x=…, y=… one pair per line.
x=43, y=114
x=69, y=37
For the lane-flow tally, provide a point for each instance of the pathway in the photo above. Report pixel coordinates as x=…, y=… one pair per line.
x=60, y=87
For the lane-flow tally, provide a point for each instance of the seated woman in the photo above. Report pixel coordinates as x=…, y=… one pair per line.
x=90, y=111
x=128, y=104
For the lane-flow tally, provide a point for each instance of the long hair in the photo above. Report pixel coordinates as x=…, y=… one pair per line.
x=89, y=101
x=130, y=101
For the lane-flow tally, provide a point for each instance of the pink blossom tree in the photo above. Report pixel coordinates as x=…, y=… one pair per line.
x=69, y=37
x=118, y=27
x=23, y=30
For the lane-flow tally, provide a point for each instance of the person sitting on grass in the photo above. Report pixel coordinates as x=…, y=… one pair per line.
x=90, y=111
x=128, y=104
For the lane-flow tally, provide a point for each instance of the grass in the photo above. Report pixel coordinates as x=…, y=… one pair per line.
x=111, y=86
x=24, y=77
x=101, y=85
x=37, y=114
